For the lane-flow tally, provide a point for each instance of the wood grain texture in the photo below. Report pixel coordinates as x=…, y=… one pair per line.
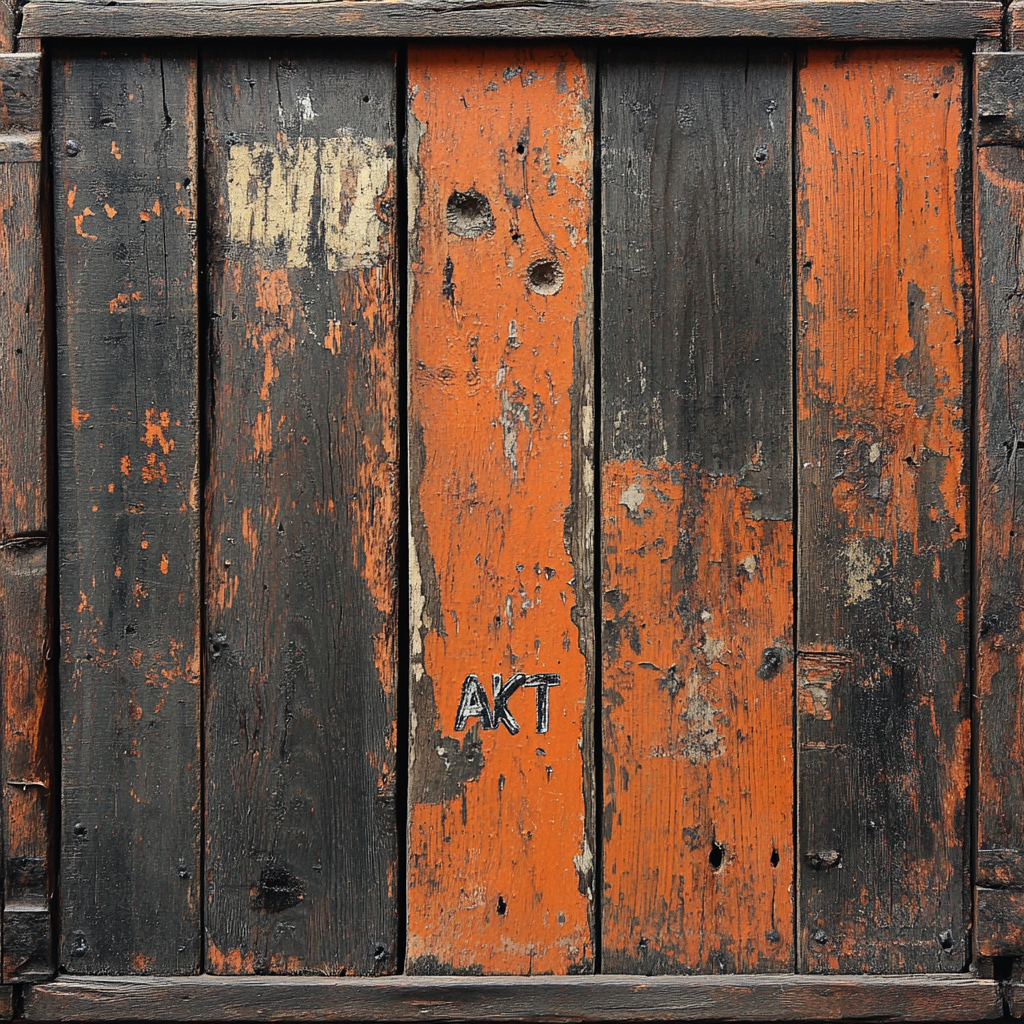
x=26, y=636
x=883, y=713
x=696, y=483
x=999, y=922
x=501, y=419
x=601, y=998
x=999, y=657
x=128, y=451
x=999, y=84
x=839, y=19
x=21, y=92
x=8, y=26
x=302, y=515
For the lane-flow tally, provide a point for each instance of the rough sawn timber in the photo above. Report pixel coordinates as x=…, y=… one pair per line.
x=697, y=510
x=26, y=634
x=601, y=998
x=501, y=859
x=883, y=701
x=999, y=541
x=302, y=512
x=837, y=19
x=125, y=173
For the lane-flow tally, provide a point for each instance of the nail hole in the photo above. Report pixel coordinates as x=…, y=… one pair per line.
x=717, y=856
x=775, y=858
x=761, y=154
x=366, y=99
x=946, y=940
x=469, y=214
x=520, y=149
x=502, y=905
x=545, y=276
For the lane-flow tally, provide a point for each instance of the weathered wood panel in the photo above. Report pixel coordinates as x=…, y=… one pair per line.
x=302, y=513
x=25, y=622
x=999, y=93
x=128, y=450
x=603, y=998
x=842, y=19
x=883, y=703
x=697, y=509
x=999, y=660
x=501, y=421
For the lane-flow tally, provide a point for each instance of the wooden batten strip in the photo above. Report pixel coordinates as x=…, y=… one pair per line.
x=602, y=998
x=845, y=19
x=26, y=761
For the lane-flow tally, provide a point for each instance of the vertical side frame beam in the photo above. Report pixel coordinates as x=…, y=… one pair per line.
x=26, y=735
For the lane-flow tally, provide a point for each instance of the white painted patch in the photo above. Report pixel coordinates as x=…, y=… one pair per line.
x=306, y=111
x=713, y=649
x=632, y=497
x=860, y=570
x=749, y=565
x=875, y=452
x=271, y=193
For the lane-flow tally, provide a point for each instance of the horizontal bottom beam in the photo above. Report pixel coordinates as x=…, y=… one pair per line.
x=835, y=19
x=604, y=997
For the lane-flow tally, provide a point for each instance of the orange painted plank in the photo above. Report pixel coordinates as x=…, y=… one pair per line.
x=697, y=531
x=884, y=726
x=500, y=840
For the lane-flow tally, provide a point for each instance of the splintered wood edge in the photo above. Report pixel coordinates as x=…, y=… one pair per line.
x=822, y=19
x=589, y=998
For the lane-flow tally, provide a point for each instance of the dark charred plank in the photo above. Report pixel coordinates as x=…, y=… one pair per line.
x=21, y=94
x=1000, y=553
x=1000, y=869
x=999, y=87
x=697, y=493
x=302, y=515
x=882, y=389
x=999, y=920
x=601, y=998
x=838, y=19
x=128, y=451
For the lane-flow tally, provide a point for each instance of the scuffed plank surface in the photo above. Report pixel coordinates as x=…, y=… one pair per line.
x=884, y=727
x=697, y=544
x=603, y=998
x=501, y=775
x=128, y=450
x=843, y=19
x=1000, y=552
x=27, y=763
x=302, y=513
x=25, y=622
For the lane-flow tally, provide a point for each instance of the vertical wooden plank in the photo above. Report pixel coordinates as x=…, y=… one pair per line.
x=883, y=197
x=1000, y=552
x=26, y=761
x=128, y=451
x=500, y=338
x=697, y=509
x=303, y=512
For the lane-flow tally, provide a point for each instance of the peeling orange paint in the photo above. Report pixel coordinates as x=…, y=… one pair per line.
x=111, y=212
x=115, y=151
x=78, y=417
x=501, y=138
x=120, y=302
x=156, y=423
x=126, y=465
x=164, y=563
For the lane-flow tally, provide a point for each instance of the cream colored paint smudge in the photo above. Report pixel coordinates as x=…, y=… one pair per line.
x=270, y=199
x=860, y=568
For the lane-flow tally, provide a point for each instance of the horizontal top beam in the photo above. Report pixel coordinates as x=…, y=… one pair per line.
x=818, y=19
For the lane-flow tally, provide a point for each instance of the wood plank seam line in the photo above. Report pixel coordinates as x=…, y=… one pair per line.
x=838, y=19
